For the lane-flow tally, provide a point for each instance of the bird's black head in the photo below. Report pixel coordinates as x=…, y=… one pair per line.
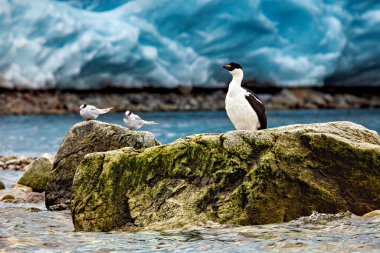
x=81, y=107
x=231, y=66
x=127, y=113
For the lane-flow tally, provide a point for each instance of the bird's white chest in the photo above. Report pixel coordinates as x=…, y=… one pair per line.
x=88, y=114
x=133, y=123
x=240, y=112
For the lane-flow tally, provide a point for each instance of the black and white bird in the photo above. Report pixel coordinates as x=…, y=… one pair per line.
x=89, y=112
x=243, y=107
x=134, y=121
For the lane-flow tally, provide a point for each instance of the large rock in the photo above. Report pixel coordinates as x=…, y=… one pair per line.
x=84, y=138
x=240, y=177
x=37, y=174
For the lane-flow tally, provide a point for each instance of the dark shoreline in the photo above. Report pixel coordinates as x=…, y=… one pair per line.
x=19, y=102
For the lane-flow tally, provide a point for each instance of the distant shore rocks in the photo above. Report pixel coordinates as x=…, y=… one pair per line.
x=311, y=99
x=237, y=178
x=82, y=139
x=61, y=102
x=15, y=163
x=37, y=174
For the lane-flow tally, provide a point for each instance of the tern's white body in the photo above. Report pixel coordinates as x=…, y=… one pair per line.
x=89, y=112
x=238, y=109
x=134, y=121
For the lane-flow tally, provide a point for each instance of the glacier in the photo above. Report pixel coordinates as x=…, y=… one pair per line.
x=145, y=43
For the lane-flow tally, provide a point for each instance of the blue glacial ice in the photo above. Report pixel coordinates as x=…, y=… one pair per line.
x=165, y=43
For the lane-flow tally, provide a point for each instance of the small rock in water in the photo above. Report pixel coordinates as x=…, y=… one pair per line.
x=37, y=174
x=22, y=187
x=372, y=214
x=2, y=186
x=7, y=197
x=21, y=194
x=323, y=218
x=13, y=167
x=12, y=162
x=15, y=193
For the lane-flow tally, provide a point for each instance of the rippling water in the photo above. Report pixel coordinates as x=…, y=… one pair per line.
x=35, y=135
x=28, y=229
x=31, y=228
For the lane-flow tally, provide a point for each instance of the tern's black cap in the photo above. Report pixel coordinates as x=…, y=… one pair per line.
x=232, y=65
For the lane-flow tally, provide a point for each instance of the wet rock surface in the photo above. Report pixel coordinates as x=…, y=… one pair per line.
x=84, y=138
x=37, y=174
x=239, y=177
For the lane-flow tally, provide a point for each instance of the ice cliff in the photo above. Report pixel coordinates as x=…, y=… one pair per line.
x=94, y=44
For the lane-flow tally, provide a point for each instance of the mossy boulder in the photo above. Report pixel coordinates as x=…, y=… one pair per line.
x=84, y=138
x=37, y=174
x=240, y=177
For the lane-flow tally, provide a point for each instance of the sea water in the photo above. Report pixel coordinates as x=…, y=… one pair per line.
x=34, y=135
x=31, y=228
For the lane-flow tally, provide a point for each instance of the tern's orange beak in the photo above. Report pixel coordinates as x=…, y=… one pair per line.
x=78, y=109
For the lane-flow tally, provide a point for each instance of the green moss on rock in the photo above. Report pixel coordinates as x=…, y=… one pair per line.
x=37, y=174
x=82, y=139
x=239, y=177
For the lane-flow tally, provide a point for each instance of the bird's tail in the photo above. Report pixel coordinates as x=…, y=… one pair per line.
x=102, y=111
x=149, y=122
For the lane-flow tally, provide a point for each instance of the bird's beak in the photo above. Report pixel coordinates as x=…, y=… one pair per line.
x=78, y=109
x=228, y=67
